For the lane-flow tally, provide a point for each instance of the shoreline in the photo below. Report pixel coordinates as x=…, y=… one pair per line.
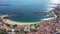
x=18, y=23
x=24, y=23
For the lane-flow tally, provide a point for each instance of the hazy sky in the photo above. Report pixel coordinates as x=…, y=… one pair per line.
x=53, y=1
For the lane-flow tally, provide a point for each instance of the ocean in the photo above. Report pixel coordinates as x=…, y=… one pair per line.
x=25, y=10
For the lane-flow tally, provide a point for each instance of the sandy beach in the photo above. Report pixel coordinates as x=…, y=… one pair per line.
x=18, y=23
x=22, y=23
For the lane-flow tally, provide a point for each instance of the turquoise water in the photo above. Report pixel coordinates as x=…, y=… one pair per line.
x=25, y=9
